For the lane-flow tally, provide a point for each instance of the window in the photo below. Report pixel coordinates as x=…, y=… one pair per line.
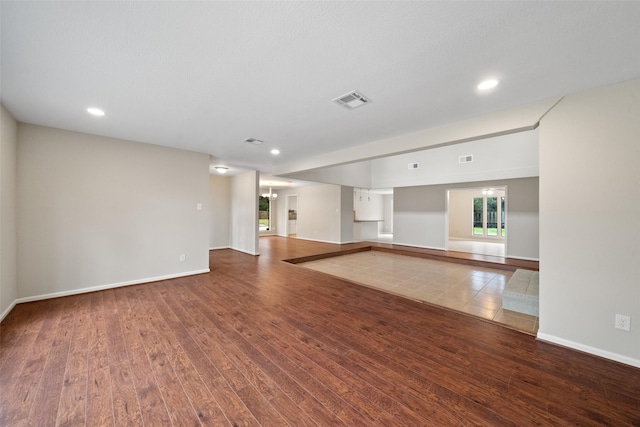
x=489, y=216
x=503, y=223
x=478, y=220
x=263, y=213
x=492, y=216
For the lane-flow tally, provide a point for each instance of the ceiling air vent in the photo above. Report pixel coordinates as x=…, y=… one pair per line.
x=465, y=159
x=253, y=141
x=352, y=100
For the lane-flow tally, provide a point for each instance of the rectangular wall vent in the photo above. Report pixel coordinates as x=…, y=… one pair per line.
x=253, y=141
x=413, y=166
x=465, y=159
x=352, y=100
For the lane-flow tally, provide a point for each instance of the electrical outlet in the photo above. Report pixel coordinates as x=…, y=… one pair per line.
x=623, y=322
x=183, y=257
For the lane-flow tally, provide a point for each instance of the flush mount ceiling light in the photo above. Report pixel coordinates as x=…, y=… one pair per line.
x=488, y=84
x=95, y=111
x=253, y=141
x=351, y=100
x=221, y=169
x=275, y=151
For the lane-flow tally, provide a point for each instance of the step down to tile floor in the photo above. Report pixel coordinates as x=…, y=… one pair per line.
x=521, y=292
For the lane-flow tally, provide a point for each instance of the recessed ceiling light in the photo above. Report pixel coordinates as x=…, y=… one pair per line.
x=275, y=151
x=488, y=84
x=221, y=169
x=95, y=111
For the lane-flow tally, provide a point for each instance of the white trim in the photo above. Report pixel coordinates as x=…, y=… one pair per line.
x=524, y=258
x=588, y=349
x=487, y=239
x=321, y=241
x=245, y=252
x=219, y=247
x=418, y=246
x=8, y=310
x=109, y=286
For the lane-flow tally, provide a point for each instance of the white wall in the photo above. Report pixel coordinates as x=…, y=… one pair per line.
x=98, y=212
x=420, y=215
x=368, y=206
x=325, y=212
x=220, y=220
x=501, y=123
x=244, y=212
x=589, y=219
x=502, y=157
x=357, y=174
x=8, y=212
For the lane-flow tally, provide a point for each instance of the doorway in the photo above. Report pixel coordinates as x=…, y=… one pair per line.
x=291, y=206
x=477, y=220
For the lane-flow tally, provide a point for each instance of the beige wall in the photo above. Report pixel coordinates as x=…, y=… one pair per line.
x=8, y=212
x=98, y=212
x=220, y=191
x=460, y=214
x=346, y=214
x=420, y=215
x=319, y=213
x=589, y=221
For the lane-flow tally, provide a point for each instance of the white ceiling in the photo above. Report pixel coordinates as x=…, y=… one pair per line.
x=203, y=76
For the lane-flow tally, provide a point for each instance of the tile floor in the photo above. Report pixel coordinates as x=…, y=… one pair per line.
x=473, y=290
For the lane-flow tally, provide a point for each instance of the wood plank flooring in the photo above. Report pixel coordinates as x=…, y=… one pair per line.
x=259, y=341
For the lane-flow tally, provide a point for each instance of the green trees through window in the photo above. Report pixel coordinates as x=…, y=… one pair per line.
x=263, y=213
x=488, y=216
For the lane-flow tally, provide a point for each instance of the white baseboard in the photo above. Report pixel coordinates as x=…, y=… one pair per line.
x=244, y=251
x=4, y=313
x=219, y=247
x=318, y=240
x=588, y=349
x=524, y=258
x=479, y=239
x=418, y=246
x=109, y=286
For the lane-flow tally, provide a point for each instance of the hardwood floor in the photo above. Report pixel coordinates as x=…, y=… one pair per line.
x=259, y=341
